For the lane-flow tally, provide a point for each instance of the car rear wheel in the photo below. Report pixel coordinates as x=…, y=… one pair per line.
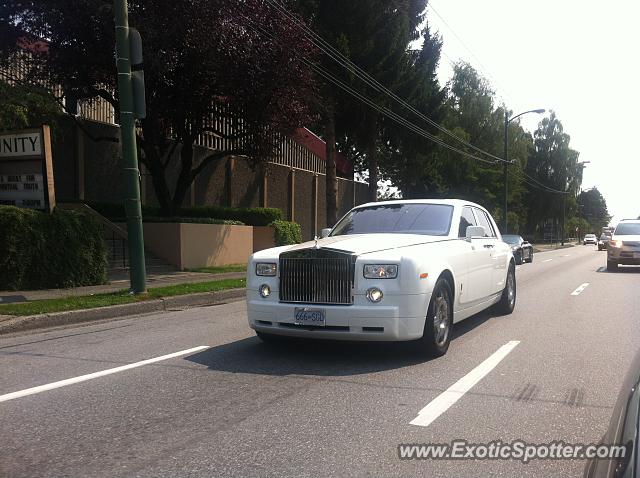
x=508, y=299
x=438, y=324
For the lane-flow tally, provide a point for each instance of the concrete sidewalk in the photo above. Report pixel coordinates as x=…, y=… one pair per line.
x=153, y=280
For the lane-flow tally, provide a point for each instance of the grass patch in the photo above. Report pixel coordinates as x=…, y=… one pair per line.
x=46, y=306
x=222, y=269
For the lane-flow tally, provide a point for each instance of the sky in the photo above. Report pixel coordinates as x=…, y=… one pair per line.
x=578, y=58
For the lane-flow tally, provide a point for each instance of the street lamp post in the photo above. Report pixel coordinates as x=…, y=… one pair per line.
x=506, y=163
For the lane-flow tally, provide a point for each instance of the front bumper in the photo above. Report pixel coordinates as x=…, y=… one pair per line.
x=387, y=321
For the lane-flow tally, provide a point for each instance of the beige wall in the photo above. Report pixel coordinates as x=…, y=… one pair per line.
x=189, y=246
x=205, y=245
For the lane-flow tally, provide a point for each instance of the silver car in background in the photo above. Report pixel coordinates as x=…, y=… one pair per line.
x=624, y=246
x=589, y=239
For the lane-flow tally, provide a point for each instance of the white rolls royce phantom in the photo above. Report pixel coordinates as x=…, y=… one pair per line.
x=387, y=271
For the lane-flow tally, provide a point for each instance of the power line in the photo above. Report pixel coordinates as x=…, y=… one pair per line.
x=531, y=181
x=363, y=75
x=464, y=45
x=383, y=110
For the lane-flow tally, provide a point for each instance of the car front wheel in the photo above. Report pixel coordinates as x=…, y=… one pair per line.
x=437, y=327
x=612, y=265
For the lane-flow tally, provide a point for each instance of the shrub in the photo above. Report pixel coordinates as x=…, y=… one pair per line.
x=191, y=220
x=287, y=232
x=251, y=216
x=59, y=250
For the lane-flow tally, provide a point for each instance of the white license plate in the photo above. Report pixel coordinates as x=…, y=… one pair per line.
x=309, y=316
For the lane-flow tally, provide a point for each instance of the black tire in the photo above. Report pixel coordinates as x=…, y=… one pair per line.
x=530, y=258
x=438, y=325
x=518, y=257
x=612, y=265
x=508, y=299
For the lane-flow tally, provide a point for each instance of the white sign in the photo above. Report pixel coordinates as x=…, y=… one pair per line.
x=22, y=190
x=21, y=144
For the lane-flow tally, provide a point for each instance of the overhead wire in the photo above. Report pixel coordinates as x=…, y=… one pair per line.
x=363, y=75
x=383, y=110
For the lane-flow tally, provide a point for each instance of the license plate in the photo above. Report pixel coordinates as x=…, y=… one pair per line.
x=309, y=316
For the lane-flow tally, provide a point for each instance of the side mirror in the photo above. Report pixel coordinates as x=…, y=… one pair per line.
x=475, y=232
x=325, y=232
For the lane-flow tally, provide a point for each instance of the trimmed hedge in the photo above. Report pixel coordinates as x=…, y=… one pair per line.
x=58, y=250
x=251, y=216
x=287, y=232
x=190, y=220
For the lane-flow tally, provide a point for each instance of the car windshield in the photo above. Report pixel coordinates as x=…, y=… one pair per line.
x=511, y=239
x=605, y=237
x=427, y=219
x=628, y=229
x=590, y=236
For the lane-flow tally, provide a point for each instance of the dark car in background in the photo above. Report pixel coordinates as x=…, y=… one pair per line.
x=522, y=250
x=623, y=430
x=603, y=242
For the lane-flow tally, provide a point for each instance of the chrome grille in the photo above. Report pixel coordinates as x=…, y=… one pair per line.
x=316, y=276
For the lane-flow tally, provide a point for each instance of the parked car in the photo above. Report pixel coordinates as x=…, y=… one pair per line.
x=589, y=239
x=624, y=245
x=603, y=242
x=624, y=430
x=521, y=249
x=387, y=271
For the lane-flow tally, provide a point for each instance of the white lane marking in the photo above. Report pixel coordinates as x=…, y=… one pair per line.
x=547, y=260
x=91, y=376
x=579, y=290
x=455, y=392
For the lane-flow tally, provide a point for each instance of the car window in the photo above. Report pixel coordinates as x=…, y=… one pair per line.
x=483, y=220
x=511, y=239
x=466, y=220
x=628, y=229
x=417, y=218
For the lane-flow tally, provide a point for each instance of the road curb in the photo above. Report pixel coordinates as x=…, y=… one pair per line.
x=30, y=322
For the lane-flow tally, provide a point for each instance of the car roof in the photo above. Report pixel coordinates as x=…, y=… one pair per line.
x=630, y=220
x=450, y=202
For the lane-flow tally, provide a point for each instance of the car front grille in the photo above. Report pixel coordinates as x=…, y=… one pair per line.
x=317, y=276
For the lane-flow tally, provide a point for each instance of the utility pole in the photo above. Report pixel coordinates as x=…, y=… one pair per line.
x=564, y=212
x=129, y=150
x=504, y=168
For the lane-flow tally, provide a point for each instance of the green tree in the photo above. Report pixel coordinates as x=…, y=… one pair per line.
x=374, y=34
x=25, y=107
x=592, y=207
x=410, y=161
x=201, y=57
x=472, y=114
x=553, y=164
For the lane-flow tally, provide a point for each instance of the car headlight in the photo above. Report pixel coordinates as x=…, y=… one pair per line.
x=380, y=271
x=615, y=243
x=266, y=269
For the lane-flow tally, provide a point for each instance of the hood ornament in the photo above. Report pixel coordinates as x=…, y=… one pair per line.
x=316, y=244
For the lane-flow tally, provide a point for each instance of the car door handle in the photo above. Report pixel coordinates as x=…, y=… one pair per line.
x=488, y=246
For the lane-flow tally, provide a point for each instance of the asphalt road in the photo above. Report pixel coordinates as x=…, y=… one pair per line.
x=238, y=407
